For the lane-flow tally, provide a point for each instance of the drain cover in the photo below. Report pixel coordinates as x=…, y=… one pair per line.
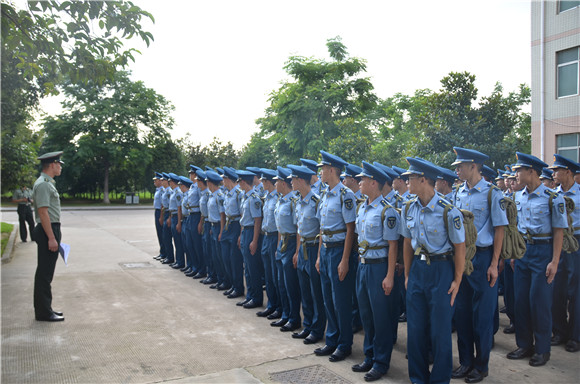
x=311, y=374
x=135, y=265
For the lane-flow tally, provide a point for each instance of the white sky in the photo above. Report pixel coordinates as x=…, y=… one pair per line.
x=218, y=61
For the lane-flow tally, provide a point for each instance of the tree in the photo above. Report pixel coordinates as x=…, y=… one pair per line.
x=304, y=114
x=47, y=44
x=110, y=125
x=215, y=154
x=258, y=153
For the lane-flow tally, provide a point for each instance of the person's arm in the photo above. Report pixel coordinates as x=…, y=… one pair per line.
x=389, y=280
x=20, y=199
x=492, y=271
x=179, y=216
x=552, y=267
x=348, y=240
x=408, y=257
x=295, y=257
x=222, y=224
x=256, y=238
x=46, y=225
x=459, y=260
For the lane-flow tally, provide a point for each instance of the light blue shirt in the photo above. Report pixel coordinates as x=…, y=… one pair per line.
x=215, y=206
x=308, y=224
x=406, y=195
x=475, y=200
x=574, y=194
x=193, y=198
x=203, y=200
x=376, y=233
x=251, y=208
x=259, y=189
x=534, y=213
x=175, y=200
x=269, y=220
x=165, y=196
x=232, y=202
x=285, y=214
x=184, y=206
x=425, y=227
x=334, y=214
x=395, y=199
x=157, y=198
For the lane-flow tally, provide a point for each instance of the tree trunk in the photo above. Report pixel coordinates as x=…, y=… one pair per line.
x=106, y=184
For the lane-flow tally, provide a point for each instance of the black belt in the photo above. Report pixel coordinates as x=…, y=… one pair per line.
x=538, y=241
x=247, y=226
x=483, y=249
x=440, y=257
x=270, y=233
x=379, y=260
x=334, y=244
x=214, y=224
x=194, y=213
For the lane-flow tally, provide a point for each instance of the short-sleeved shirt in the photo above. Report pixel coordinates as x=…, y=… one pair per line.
x=373, y=229
x=193, y=198
x=175, y=200
x=215, y=206
x=285, y=214
x=534, y=212
x=22, y=194
x=574, y=194
x=308, y=223
x=337, y=208
x=232, y=202
x=44, y=194
x=165, y=197
x=251, y=207
x=269, y=220
x=184, y=205
x=475, y=200
x=157, y=198
x=203, y=200
x=425, y=227
x=394, y=199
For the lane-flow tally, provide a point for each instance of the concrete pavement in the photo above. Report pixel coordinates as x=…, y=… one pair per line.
x=130, y=319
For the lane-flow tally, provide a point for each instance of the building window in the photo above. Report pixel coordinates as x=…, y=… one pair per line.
x=569, y=146
x=567, y=62
x=566, y=5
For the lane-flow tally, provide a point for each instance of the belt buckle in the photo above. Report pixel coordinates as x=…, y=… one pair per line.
x=423, y=257
x=362, y=260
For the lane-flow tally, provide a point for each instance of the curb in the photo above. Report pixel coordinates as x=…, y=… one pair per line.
x=7, y=256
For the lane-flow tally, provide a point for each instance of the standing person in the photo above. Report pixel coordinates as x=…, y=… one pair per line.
x=184, y=187
x=175, y=220
x=543, y=227
x=566, y=304
x=377, y=224
x=400, y=183
x=23, y=196
x=336, y=261
x=477, y=298
x=315, y=183
x=47, y=235
x=203, y=228
x=216, y=218
x=157, y=206
x=547, y=178
x=434, y=265
x=168, y=256
x=198, y=264
x=231, y=254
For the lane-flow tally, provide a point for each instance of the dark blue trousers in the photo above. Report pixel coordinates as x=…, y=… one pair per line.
x=195, y=243
x=398, y=294
x=475, y=309
x=376, y=311
x=534, y=299
x=566, y=304
x=269, y=243
x=218, y=262
x=252, y=263
x=179, y=254
x=167, y=239
x=291, y=282
x=232, y=256
x=159, y=231
x=206, y=249
x=429, y=314
x=318, y=323
x=509, y=297
x=186, y=241
x=337, y=297
x=305, y=291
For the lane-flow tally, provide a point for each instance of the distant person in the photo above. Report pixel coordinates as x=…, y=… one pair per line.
x=47, y=235
x=23, y=196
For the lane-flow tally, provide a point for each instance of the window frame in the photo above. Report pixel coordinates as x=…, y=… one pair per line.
x=565, y=10
x=576, y=147
x=558, y=66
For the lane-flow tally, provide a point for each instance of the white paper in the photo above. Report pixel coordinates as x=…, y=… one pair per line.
x=64, y=250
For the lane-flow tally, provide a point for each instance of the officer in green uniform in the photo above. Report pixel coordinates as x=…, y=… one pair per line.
x=23, y=196
x=46, y=234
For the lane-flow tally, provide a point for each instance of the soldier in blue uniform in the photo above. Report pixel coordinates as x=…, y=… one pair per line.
x=434, y=252
x=216, y=217
x=500, y=180
x=176, y=217
x=377, y=224
x=269, y=244
x=445, y=182
x=169, y=256
x=285, y=214
x=543, y=226
x=488, y=174
x=336, y=260
x=250, y=241
x=184, y=186
x=316, y=184
x=157, y=206
x=476, y=301
x=400, y=183
x=231, y=254
x=547, y=178
x=204, y=227
x=198, y=265
x=305, y=257
x=566, y=304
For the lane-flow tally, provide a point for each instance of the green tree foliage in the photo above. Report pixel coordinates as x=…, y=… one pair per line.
x=109, y=127
x=215, y=154
x=49, y=43
x=258, y=153
x=308, y=112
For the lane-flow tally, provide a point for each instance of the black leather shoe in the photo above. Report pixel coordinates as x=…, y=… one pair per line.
x=520, y=353
x=186, y=269
x=539, y=359
x=265, y=312
x=57, y=313
x=339, y=355
x=475, y=376
x=252, y=304
x=460, y=372
x=289, y=327
x=235, y=294
x=572, y=346
x=365, y=366
x=213, y=286
x=223, y=287
x=557, y=340
x=373, y=375
x=403, y=318
x=278, y=323
x=53, y=317
x=311, y=339
x=503, y=309
x=324, y=351
x=190, y=273
x=158, y=257
x=177, y=266
x=274, y=315
x=509, y=329
x=199, y=275
x=301, y=335
x=228, y=291
x=241, y=303
x=167, y=261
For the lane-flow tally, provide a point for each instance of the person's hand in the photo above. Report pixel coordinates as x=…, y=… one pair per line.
x=551, y=270
x=453, y=291
x=388, y=284
x=178, y=227
x=342, y=269
x=253, y=247
x=492, y=275
x=52, y=245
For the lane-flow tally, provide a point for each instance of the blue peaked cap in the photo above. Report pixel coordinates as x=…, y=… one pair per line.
x=267, y=174
x=447, y=175
x=201, y=175
x=219, y=170
x=301, y=172
x=332, y=160
x=562, y=162
x=311, y=164
x=500, y=174
x=465, y=155
x=547, y=174
x=374, y=172
x=185, y=181
x=422, y=167
x=529, y=161
x=282, y=173
x=246, y=175
x=388, y=170
x=255, y=170
x=173, y=177
x=488, y=172
x=230, y=173
x=213, y=177
x=352, y=170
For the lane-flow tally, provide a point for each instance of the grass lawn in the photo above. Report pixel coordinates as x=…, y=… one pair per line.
x=6, y=231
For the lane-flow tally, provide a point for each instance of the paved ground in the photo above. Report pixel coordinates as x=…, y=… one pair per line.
x=131, y=320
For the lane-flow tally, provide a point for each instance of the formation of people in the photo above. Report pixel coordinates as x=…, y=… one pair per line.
x=327, y=248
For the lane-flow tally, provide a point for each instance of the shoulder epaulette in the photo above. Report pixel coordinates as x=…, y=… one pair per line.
x=384, y=202
x=315, y=199
x=398, y=197
x=444, y=203
x=551, y=193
